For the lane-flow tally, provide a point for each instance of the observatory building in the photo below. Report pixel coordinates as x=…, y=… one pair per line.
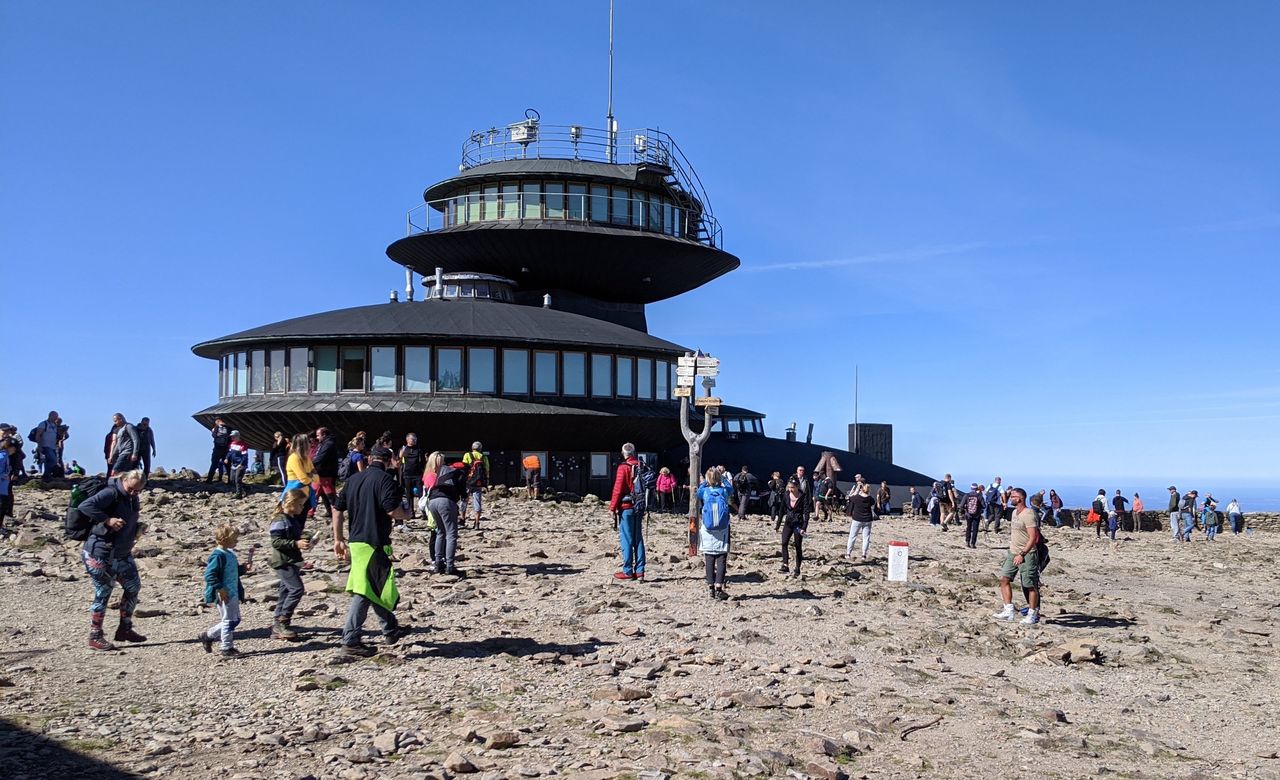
x=535, y=264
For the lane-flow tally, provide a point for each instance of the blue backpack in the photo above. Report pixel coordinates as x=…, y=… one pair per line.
x=715, y=509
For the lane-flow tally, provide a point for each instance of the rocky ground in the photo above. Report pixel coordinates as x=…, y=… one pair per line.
x=1155, y=659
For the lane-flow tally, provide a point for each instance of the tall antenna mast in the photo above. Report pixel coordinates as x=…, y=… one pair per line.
x=855, y=409
x=611, y=125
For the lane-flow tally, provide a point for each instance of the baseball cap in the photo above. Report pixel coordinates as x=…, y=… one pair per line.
x=973, y=485
x=1171, y=487
x=380, y=453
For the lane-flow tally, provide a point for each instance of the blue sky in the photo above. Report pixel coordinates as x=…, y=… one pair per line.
x=1046, y=235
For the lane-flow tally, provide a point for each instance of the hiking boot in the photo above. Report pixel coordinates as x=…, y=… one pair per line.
x=395, y=634
x=230, y=652
x=720, y=594
x=712, y=590
x=206, y=641
x=358, y=650
x=456, y=572
x=100, y=642
x=1033, y=617
x=783, y=569
x=127, y=634
x=1008, y=614
x=638, y=576
x=621, y=575
x=281, y=630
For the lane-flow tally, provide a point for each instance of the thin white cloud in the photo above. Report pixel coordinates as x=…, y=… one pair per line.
x=898, y=256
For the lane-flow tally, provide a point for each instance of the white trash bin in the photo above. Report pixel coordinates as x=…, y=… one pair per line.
x=899, y=558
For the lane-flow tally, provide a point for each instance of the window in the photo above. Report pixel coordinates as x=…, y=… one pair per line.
x=735, y=425
x=242, y=373
x=620, y=205
x=510, y=201
x=624, y=376
x=473, y=204
x=577, y=201
x=482, y=289
x=382, y=366
x=489, y=202
x=575, y=370
x=222, y=376
x=466, y=290
x=663, y=392
x=644, y=378
x=451, y=290
x=668, y=224
x=555, y=200
x=717, y=425
x=655, y=213
x=601, y=376
x=449, y=370
x=600, y=464
x=257, y=375
x=326, y=360
x=515, y=371
x=299, y=373
x=544, y=372
x=599, y=203
x=532, y=200
x=480, y=370
x=417, y=369
x=353, y=368
x=677, y=221
x=275, y=371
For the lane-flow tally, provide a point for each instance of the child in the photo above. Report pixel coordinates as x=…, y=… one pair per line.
x=287, y=547
x=222, y=584
x=713, y=531
x=237, y=460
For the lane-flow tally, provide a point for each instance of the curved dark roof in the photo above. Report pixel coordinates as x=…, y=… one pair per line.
x=652, y=176
x=461, y=321
x=764, y=455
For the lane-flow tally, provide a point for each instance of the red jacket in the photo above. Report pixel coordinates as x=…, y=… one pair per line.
x=622, y=484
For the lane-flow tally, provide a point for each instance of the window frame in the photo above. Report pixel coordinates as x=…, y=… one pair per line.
x=437, y=385
x=527, y=384
x=564, y=375
x=468, y=386
x=404, y=371
x=555, y=372
x=395, y=368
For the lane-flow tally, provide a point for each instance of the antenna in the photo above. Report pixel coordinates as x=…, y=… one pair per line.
x=610, y=124
x=855, y=408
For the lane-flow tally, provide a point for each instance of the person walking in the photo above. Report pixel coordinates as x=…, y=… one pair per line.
x=45, y=437
x=7, y=445
x=125, y=448
x=299, y=471
x=742, y=486
x=805, y=483
x=1188, y=511
x=630, y=526
x=1138, y=509
x=713, y=531
x=971, y=506
x=994, y=500
x=446, y=486
x=1100, y=511
x=1121, y=506
x=916, y=502
x=222, y=586
x=934, y=505
x=666, y=485
x=947, y=500
x=413, y=462
x=777, y=498
x=324, y=464
x=371, y=499
x=1235, y=516
x=1022, y=561
x=478, y=476
x=107, y=554
x=1209, y=517
x=795, y=524
x=221, y=436
x=862, y=513
x=1055, y=507
x=1175, y=514
x=146, y=444
x=884, y=499
x=237, y=461
x=287, y=546
x=280, y=455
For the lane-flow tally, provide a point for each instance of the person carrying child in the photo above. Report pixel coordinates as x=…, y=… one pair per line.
x=287, y=547
x=713, y=531
x=222, y=587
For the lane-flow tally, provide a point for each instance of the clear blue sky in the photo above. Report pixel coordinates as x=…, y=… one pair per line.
x=1047, y=235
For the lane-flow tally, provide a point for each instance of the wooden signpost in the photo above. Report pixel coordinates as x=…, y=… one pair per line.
x=687, y=368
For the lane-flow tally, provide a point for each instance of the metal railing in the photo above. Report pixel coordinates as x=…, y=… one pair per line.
x=531, y=139
x=644, y=214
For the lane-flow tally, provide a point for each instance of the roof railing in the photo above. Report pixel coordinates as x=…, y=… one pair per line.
x=531, y=139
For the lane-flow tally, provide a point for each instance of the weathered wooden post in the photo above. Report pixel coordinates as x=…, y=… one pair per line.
x=687, y=368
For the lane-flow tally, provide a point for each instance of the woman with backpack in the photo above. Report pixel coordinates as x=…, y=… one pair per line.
x=446, y=485
x=713, y=531
x=796, y=507
x=777, y=494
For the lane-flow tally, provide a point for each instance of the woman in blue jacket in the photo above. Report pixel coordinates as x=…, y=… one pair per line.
x=716, y=496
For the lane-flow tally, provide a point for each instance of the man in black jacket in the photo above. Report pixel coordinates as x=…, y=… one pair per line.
x=108, y=554
x=325, y=461
x=221, y=443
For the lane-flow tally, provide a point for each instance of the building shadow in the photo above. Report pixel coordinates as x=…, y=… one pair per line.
x=518, y=647
x=27, y=755
x=1080, y=620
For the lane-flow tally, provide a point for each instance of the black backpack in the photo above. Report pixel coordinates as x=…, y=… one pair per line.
x=344, y=468
x=76, y=526
x=643, y=479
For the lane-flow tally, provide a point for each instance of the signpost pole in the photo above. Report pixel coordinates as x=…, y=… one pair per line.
x=695, y=440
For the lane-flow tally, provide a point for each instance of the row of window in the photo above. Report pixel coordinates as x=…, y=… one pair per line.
x=416, y=369
x=738, y=425
x=573, y=201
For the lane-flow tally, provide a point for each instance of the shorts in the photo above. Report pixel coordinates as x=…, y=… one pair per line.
x=324, y=485
x=1028, y=573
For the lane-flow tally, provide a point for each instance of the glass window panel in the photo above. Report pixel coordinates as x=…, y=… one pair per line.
x=601, y=376
x=655, y=213
x=382, y=367
x=600, y=464
x=677, y=215
x=515, y=371
x=717, y=425
x=544, y=372
x=480, y=370
x=473, y=205
x=242, y=373
x=735, y=425
x=663, y=391
x=417, y=369
x=625, y=364
x=257, y=371
x=599, y=203
x=510, y=201
x=532, y=195
x=326, y=361
x=451, y=291
x=575, y=373
x=638, y=200
x=299, y=374
x=577, y=201
x=466, y=290
x=621, y=205
x=353, y=368
x=275, y=371
x=644, y=378
x=482, y=289
x=222, y=376
x=490, y=203
x=668, y=224
x=449, y=370
x=555, y=199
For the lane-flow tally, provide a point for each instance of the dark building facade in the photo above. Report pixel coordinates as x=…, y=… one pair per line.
x=535, y=264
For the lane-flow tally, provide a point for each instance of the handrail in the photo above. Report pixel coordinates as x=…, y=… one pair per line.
x=530, y=139
x=533, y=206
